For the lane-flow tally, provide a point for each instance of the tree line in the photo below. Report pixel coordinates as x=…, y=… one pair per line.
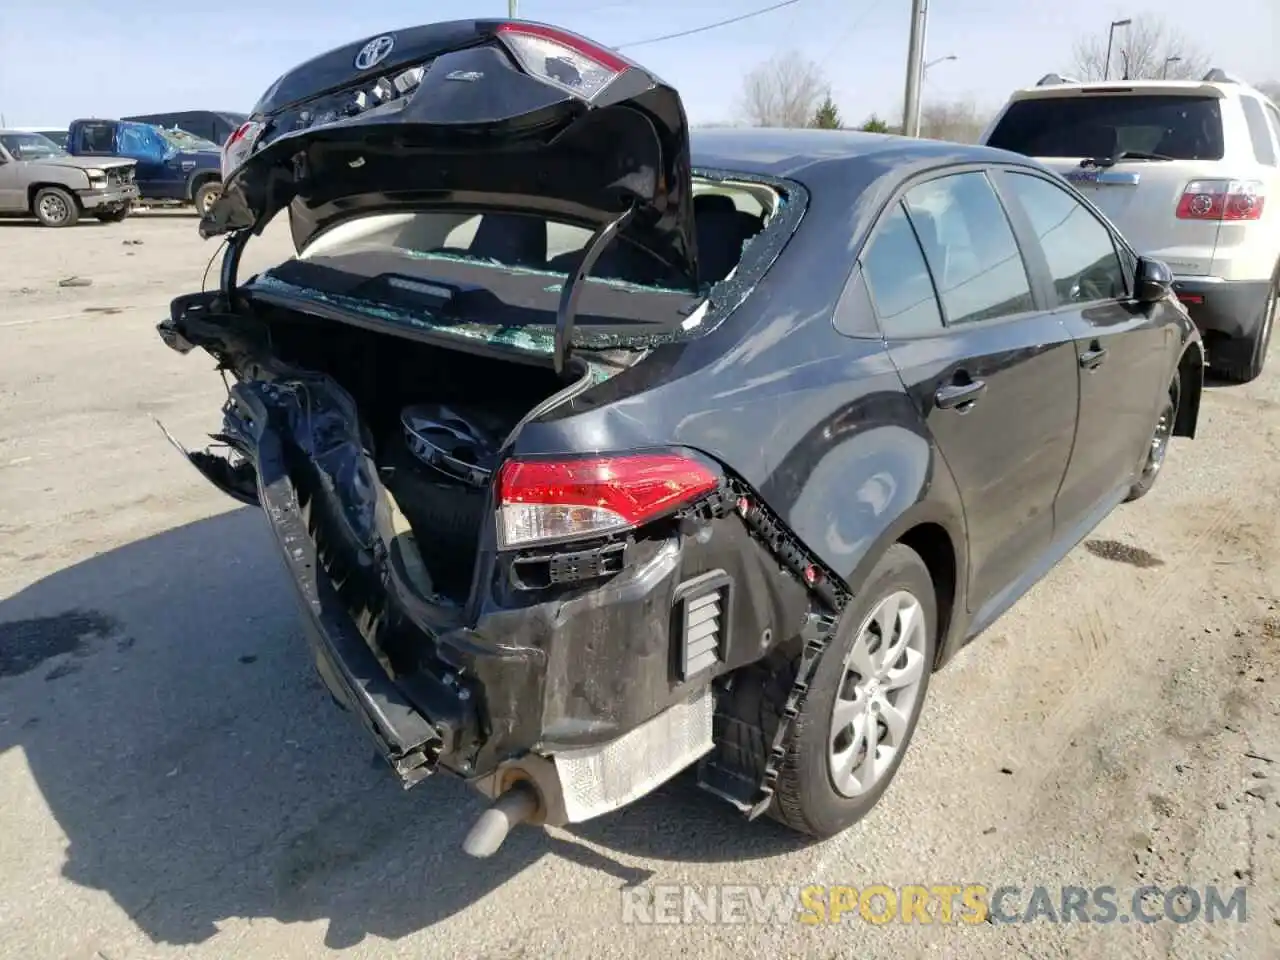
x=791, y=90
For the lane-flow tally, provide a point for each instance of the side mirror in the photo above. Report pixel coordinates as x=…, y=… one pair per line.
x=1152, y=281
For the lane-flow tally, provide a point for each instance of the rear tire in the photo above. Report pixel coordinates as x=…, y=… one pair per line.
x=1243, y=371
x=55, y=207
x=1158, y=448
x=826, y=783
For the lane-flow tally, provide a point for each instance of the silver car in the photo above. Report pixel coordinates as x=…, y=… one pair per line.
x=38, y=178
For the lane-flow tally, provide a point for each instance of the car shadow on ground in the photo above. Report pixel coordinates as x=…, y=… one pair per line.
x=168, y=711
x=88, y=219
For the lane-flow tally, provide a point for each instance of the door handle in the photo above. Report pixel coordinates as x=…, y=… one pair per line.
x=959, y=396
x=1092, y=358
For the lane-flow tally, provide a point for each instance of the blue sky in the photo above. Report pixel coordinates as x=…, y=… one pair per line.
x=61, y=59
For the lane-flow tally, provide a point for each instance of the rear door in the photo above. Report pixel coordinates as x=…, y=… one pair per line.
x=993, y=376
x=1082, y=133
x=1124, y=350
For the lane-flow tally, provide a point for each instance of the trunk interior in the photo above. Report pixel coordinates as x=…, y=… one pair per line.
x=456, y=404
x=433, y=417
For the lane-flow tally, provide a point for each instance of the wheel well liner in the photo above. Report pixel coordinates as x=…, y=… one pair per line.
x=1191, y=374
x=932, y=542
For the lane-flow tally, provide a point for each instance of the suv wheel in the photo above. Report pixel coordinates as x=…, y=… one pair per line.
x=55, y=207
x=863, y=702
x=206, y=195
x=1242, y=371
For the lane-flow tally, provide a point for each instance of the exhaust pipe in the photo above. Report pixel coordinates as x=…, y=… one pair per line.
x=518, y=804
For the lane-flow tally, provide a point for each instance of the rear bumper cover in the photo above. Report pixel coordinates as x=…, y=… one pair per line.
x=1227, y=308
x=580, y=675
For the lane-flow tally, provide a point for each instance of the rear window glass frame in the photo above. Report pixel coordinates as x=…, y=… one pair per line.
x=713, y=307
x=1049, y=138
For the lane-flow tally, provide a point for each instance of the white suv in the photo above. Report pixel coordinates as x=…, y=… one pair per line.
x=1190, y=174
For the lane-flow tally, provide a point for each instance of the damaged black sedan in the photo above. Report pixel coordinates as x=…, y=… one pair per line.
x=597, y=450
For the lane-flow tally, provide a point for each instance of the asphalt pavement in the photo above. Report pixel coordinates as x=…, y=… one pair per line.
x=175, y=782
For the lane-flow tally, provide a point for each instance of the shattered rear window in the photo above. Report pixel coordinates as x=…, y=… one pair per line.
x=498, y=276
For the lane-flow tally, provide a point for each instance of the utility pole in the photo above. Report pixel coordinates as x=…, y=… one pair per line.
x=915, y=68
x=511, y=9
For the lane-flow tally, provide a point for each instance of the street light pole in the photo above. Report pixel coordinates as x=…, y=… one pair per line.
x=924, y=70
x=915, y=68
x=1164, y=73
x=511, y=9
x=1111, y=35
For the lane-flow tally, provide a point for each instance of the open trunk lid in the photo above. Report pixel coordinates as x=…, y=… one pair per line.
x=470, y=115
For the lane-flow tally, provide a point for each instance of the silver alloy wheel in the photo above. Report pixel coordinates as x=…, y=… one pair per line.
x=877, y=694
x=1160, y=438
x=210, y=198
x=53, y=208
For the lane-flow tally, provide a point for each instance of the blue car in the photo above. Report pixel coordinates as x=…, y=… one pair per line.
x=173, y=165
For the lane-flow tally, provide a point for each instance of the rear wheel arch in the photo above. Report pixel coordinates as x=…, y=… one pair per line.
x=935, y=530
x=199, y=179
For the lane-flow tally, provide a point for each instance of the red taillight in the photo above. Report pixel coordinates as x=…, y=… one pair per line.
x=561, y=59
x=237, y=134
x=239, y=145
x=544, y=500
x=1222, y=200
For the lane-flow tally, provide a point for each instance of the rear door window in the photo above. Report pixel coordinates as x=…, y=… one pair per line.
x=970, y=247
x=98, y=138
x=1079, y=249
x=1177, y=126
x=1264, y=150
x=898, y=280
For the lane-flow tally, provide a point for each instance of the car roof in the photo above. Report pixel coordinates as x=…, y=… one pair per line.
x=1211, y=88
x=788, y=153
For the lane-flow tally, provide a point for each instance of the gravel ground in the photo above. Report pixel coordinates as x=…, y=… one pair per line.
x=176, y=783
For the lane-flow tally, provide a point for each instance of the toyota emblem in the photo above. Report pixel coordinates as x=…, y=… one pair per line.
x=375, y=51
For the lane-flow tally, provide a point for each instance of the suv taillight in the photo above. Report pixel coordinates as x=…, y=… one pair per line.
x=561, y=59
x=554, y=500
x=1222, y=200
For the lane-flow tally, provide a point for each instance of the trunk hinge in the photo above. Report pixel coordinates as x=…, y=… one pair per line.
x=572, y=288
x=229, y=278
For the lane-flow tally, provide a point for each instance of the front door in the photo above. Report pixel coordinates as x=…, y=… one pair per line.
x=159, y=174
x=994, y=378
x=1122, y=348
